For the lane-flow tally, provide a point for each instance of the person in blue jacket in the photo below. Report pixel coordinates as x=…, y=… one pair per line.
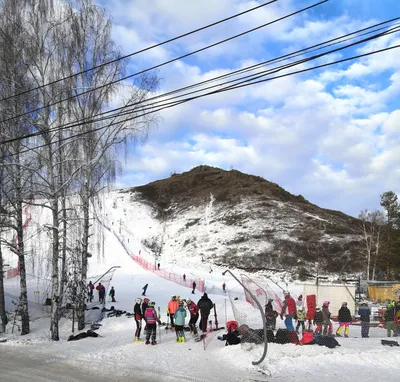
x=179, y=316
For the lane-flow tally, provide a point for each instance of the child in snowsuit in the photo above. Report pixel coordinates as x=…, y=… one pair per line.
x=344, y=320
x=194, y=316
x=151, y=318
x=270, y=315
x=233, y=337
x=318, y=320
x=112, y=294
x=326, y=315
x=364, y=313
x=180, y=316
x=301, y=316
x=137, y=310
x=389, y=320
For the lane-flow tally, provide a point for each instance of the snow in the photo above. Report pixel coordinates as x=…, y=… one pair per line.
x=115, y=354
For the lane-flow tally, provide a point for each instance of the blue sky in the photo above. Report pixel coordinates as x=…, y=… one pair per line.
x=332, y=135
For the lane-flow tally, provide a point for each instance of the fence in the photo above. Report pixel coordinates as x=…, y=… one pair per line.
x=150, y=266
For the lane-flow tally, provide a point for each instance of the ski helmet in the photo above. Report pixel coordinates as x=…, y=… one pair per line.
x=146, y=300
x=188, y=301
x=326, y=303
x=152, y=303
x=138, y=301
x=344, y=303
x=180, y=303
x=286, y=293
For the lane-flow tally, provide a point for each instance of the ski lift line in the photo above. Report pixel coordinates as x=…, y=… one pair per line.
x=237, y=86
x=141, y=50
x=164, y=63
x=175, y=103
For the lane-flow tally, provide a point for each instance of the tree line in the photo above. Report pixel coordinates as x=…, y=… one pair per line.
x=61, y=168
x=381, y=237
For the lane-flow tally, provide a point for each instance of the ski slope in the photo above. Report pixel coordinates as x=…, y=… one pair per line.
x=116, y=356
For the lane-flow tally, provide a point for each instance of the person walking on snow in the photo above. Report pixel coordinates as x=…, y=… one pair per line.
x=171, y=309
x=112, y=294
x=194, y=316
x=194, y=286
x=137, y=311
x=365, y=312
x=184, y=277
x=223, y=287
x=326, y=316
x=389, y=320
x=179, y=316
x=205, y=305
x=90, y=292
x=151, y=318
x=144, y=289
x=344, y=320
x=102, y=293
x=289, y=310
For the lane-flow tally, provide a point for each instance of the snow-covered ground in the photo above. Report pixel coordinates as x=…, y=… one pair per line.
x=115, y=354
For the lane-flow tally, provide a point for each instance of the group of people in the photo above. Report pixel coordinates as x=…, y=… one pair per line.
x=321, y=318
x=101, y=292
x=176, y=313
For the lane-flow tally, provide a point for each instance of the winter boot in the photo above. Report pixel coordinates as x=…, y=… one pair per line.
x=137, y=339
x=346, y=336
x=339, y=335
x=154, y=342
x=147, y=342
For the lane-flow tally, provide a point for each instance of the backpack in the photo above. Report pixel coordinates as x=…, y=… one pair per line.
x=282, y=336
x=327, y=341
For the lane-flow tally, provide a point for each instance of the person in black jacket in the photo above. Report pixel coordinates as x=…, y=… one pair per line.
x=344, y=320
x=205, y=305
x=365, y=312
x=137, y=310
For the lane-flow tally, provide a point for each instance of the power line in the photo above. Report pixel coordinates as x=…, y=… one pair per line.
x=145, y=106
x=141, y=51
x=164, y=63
x=248, y=83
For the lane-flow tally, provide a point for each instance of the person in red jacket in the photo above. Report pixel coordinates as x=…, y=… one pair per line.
x=194, y=316
x=289, y=310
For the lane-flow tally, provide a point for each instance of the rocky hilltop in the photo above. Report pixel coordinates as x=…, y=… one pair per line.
x=244, y=221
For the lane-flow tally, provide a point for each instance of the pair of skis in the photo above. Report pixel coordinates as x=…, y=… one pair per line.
x=204, y=334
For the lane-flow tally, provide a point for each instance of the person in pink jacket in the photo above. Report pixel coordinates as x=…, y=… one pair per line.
x=151, y=318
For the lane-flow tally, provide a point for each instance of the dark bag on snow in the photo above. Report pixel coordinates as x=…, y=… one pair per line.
x=327, y=341
x=282, y=336
x=270, y=336
x=293, y=337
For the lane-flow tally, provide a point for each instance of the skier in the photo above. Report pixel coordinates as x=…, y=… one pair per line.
x=223, y=287
x=318, y=320
x=290, y=305
x=389, y=319
x=344, y=320
x=180, y=315
x=171, y=309
x=194, y=316
x=326, y=316
x=144, y=289
x=205, y=305
x=194, y=286
x=301, y=316
x=145, y=305
x=270, y=315
x=90, y=292
x=365, y=312
x=158, y=266
x=151, y=318
x=184, y=277
x=137, y=310
x=112, y=294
